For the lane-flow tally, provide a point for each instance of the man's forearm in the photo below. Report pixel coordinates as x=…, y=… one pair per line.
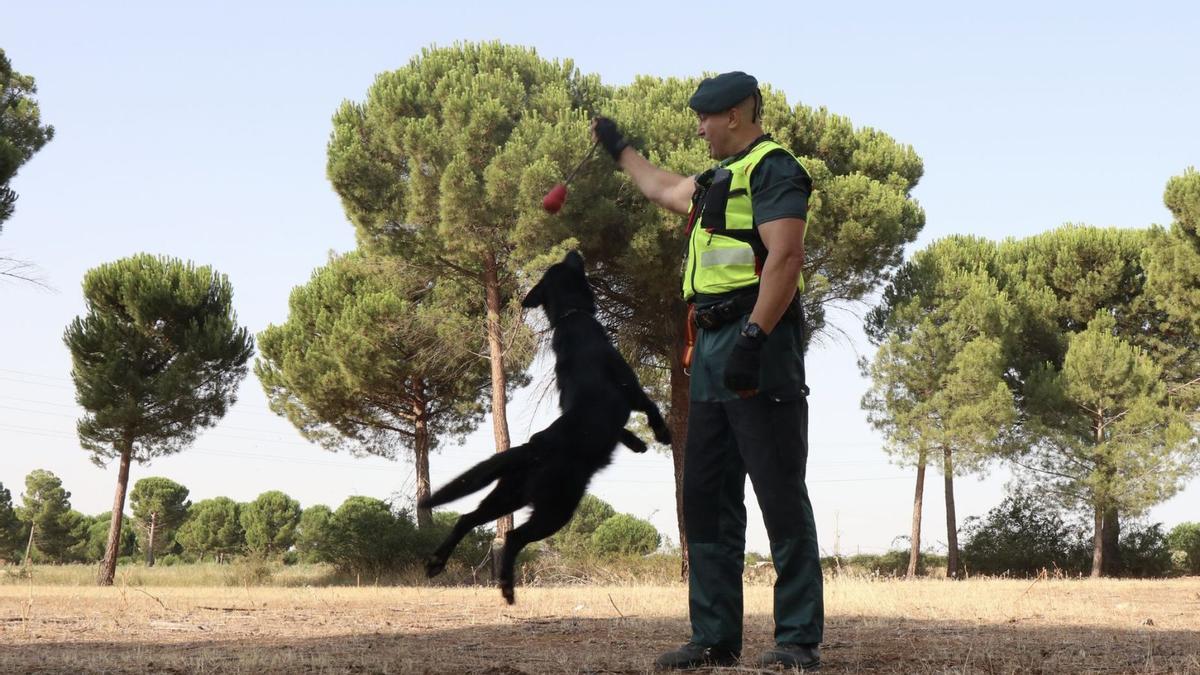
x=660, y=186
x=777, y=286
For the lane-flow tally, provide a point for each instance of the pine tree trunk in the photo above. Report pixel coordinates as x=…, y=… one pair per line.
x=491, y=282
x=677, y=421
x=914, y=553
x=150, y=544
x=421, y=459
x=29, y=546
x=1099, y=567
x=1110, y=537
x=108, y=567
x=951, y=521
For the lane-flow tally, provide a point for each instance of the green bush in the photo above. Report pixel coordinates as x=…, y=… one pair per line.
x=893, y=563
x=576, y=538
x=1021, y=537
x=368, y=538
x=250, y=570
x=1144, y=551
x=624, y=534
x=1185, y=540
x=313, y=534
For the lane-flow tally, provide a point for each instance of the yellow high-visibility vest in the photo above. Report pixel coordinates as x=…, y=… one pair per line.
x=721, y=246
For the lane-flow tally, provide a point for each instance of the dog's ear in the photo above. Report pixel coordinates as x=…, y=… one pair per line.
x=574, y=260
x=535, y=297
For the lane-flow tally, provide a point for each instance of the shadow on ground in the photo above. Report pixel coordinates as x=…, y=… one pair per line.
x=533, y=646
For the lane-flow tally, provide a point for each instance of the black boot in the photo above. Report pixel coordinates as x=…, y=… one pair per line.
x=693, y=655
x=804, y=657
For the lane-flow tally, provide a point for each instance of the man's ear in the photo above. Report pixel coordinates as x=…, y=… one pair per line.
x=535, y=297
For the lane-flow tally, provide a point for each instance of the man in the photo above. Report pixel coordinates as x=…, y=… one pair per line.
x=748, y=413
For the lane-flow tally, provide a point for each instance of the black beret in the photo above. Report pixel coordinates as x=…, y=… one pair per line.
x=720, y=93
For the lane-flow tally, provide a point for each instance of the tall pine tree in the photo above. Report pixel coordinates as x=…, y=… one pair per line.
x=157, y=357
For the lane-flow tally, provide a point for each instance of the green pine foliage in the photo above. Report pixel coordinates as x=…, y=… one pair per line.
x=378, y=356
x=157, y=357
x=938, y=391
x=313, y=534
x=1104, y=375
x=97, y=538
x=366, y=537
x=625, y=535
x=10, y=527
x=47, y=509
x=22, y=133
x=269, y=523
x=160, y=507
x=213, y=527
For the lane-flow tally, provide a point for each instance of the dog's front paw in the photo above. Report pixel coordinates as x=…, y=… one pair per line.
x=434, y=567
x=506, y=589
x=663, y=435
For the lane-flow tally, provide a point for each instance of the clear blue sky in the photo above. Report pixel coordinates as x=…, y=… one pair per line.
x=200, y=132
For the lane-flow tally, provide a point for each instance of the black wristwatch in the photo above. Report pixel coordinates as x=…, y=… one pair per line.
x=754, y=333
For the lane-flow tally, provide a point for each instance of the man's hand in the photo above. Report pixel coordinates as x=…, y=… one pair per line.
x=668, y=190
x=606, y=131
x=741, y=369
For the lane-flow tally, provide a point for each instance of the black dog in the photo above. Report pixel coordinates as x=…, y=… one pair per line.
x=551, y=472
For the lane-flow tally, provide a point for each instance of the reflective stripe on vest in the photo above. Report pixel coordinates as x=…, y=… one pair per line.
x=717, y=263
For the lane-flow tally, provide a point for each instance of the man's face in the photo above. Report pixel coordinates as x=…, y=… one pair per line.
x=714, y=128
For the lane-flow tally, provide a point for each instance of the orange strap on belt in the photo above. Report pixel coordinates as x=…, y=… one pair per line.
x=690, y=345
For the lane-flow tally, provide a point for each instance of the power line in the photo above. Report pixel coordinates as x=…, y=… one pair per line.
x=37, y=431
x=29, y=374
x=625, y=460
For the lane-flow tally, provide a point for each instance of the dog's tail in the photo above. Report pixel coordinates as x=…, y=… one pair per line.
x=477, y=477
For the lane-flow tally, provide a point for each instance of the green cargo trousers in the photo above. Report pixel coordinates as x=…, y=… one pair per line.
x=765, y=436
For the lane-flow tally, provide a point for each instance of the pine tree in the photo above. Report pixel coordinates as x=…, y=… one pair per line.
x=22, y=133
x=270, y=523
x=1103, y=369
x=157, y=357
x=46, y=509
x=378, y=356
x=937, y=380
x=445, y=164
x=213, y=527
x=160, y=507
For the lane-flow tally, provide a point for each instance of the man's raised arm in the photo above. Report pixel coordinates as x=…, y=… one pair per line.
x=669, y=190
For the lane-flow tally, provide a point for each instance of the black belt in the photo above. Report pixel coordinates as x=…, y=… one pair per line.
x=714, y=311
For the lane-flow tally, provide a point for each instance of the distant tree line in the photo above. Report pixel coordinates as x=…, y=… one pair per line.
x=1072, y=356
x=364, y=536
x=1027, y=535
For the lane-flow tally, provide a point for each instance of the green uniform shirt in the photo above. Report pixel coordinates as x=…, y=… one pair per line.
x=779, y=188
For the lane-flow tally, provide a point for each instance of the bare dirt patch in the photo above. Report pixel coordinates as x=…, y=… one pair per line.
x=976, y=626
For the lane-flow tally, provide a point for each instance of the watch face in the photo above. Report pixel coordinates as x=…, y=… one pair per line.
x=753, y=331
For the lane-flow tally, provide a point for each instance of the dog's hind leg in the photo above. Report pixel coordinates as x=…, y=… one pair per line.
x=479, y=476
x=629, y=440
x=545, y=520
x=502, y=501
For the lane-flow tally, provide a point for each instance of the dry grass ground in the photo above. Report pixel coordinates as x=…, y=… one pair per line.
x=877, y=626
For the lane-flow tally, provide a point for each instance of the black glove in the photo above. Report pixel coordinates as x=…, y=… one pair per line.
x=741, y=369
x=609, y=135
